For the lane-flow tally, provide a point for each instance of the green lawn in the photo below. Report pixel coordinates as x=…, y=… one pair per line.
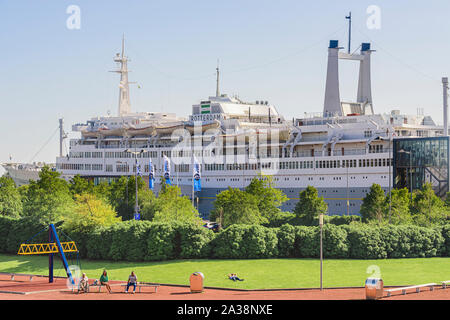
x=258, y=274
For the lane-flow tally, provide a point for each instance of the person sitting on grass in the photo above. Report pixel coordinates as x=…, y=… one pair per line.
x=234, y=277
x=132, y=281
x=84, y=284
x=104, y=280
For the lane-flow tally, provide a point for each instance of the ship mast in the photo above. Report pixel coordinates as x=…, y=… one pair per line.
x=349, y=17
x=217, y=80
x=124, y=90
x=62, y=136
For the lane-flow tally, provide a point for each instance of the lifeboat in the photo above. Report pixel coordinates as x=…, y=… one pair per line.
x=169, y=128
x=145, y=131
x=112, y=132
x=210, y=125
x=89, y=134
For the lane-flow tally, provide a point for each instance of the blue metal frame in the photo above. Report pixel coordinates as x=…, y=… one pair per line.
x=53, y=234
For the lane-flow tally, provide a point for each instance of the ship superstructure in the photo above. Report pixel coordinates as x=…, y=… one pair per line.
x=341, y=151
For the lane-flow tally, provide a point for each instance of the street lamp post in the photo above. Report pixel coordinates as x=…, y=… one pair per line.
x=390, y=163
x=321, y=249
x=136, y=205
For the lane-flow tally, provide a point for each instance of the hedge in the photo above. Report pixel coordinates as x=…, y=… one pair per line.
x=246, y=241
x=151, y=241
x=308, y=239
x=365, y=242
x=446, y=234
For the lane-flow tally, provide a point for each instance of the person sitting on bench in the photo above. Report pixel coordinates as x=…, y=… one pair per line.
x=104, y=281
x=132, y=281
x=234, y=277
x=84, y=284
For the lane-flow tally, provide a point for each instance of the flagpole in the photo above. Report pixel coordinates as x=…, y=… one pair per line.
x=193, y=192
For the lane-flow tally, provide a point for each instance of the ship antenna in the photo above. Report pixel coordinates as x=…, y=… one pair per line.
x=349, y=17
x=217, y=80
x=123, y=44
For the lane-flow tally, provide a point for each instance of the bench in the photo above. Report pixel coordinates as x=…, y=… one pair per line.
x=140, y=285
x=95, y=285
x=403, y=290
x=444, y=284
x=76, y=288
x=12, y=275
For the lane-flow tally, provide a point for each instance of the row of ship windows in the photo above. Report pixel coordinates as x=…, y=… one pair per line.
x=80, y=166
x=125, y=167
x=319, y=164
x=145, y=154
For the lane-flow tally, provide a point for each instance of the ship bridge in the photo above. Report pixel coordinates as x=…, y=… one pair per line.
x=224, y=107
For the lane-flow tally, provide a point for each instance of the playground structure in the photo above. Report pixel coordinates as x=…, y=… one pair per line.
x=54, y=246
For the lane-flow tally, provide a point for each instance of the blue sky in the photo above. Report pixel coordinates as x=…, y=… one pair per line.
x=268, y=50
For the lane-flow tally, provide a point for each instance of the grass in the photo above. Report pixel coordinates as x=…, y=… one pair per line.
x=258, y=274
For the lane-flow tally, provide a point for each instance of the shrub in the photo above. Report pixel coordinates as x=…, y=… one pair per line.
x=5, y=226
x=341, y=220
x=334, y=240
x=305, y=245
x=160, y=242
x=128, y=240
x=26, y=229
x=228, y=244
x=412, y=241
x=446, y=236
x=192, y=241
x=365, y=242
x=286, y=241
x=279, y=219
x=98, y=244
x=246, y=242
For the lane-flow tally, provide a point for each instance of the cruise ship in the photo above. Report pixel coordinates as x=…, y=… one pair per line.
x=23, y=173
x=341, y=151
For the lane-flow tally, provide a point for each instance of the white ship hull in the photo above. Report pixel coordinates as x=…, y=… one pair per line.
x=22, y=174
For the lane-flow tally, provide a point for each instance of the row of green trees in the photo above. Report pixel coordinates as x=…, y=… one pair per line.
x=84, y=206
x=260, y=203
x=422, y=207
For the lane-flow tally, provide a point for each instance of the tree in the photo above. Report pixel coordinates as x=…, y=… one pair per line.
x=400, y=207
x=310, y=206
x=89, y=213
x=102, y=190
x=269, y=198
x=122, y=195
x=10, y=198
x=236, y=207
x=48, y=198
x=79, y=185
x=170, y=206
x=374, y=204
x=427, y=208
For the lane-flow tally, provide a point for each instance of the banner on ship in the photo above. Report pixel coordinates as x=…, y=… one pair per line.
x=151, y=175
x=167, y=170
x=196, y=175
